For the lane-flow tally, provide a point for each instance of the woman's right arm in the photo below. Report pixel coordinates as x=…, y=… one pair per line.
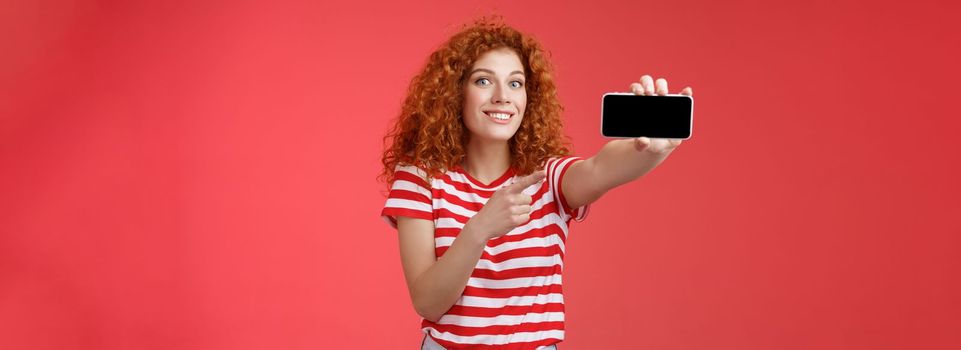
x=436, y=284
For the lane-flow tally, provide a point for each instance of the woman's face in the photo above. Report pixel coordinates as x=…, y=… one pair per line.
x=495, y=95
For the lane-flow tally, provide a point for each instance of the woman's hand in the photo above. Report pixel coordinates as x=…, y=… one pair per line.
x=507, y=208
x=648, y=87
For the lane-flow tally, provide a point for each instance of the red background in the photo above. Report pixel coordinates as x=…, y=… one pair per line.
x=184, y=175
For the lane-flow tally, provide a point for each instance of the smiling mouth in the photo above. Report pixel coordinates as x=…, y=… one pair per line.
x=499, y=116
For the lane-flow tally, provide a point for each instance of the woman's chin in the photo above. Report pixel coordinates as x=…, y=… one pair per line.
x=493, y=137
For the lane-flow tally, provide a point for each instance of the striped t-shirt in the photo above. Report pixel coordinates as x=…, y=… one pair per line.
x=513, y=299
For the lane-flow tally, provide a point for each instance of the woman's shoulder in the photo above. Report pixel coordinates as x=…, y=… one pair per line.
x=559, y=160
x=422, y=172
x=412, y=169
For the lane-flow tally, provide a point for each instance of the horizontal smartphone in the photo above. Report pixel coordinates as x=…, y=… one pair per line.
x=630, y=115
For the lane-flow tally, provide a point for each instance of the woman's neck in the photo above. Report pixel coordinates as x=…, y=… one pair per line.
x=487, y=161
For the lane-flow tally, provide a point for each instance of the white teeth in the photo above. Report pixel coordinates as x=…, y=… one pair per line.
x=501, y=116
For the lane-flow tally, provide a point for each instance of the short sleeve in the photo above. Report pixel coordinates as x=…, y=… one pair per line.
x=409, y=196
x=556, y=168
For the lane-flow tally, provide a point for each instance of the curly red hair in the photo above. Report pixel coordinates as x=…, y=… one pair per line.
x=430, y=133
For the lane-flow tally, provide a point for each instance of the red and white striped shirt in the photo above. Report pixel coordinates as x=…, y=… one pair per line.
x=513, y=299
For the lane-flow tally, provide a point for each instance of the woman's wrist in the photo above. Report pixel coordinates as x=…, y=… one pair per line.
x=474, y=234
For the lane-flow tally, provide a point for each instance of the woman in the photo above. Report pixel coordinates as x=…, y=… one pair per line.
x=483, y=190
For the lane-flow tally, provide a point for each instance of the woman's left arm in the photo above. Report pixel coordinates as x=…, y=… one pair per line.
x=619, y=161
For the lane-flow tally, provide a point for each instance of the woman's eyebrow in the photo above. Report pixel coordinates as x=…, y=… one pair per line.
x=492, y=72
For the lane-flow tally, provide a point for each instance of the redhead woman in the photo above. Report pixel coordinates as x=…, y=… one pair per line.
x=483, y=189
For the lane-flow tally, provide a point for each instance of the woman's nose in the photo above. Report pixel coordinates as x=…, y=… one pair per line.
x=500, y=95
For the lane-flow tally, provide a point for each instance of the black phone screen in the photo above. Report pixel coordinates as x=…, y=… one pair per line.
x=629, y=115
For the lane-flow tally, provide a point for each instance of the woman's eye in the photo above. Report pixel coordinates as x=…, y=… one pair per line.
x=485, y=81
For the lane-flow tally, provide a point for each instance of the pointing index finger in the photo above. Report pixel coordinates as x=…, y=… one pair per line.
x=526, y=181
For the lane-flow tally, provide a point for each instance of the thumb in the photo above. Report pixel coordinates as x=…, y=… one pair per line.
x=641, y=143
x=526, y=181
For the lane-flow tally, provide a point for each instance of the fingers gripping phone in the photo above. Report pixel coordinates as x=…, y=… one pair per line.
x=630, y=115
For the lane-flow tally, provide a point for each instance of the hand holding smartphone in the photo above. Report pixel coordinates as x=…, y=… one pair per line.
x=660, y=116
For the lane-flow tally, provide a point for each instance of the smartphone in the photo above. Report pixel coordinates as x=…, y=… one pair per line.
x=630, y=115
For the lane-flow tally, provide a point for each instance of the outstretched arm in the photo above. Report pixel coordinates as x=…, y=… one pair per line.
x=619, y=161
